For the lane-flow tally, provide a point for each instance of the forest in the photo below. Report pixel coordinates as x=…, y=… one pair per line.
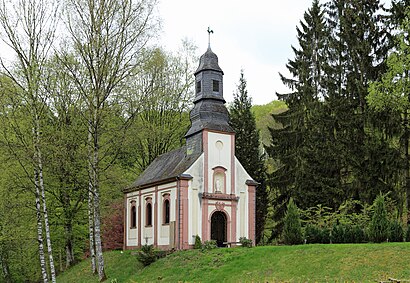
x=91, y=101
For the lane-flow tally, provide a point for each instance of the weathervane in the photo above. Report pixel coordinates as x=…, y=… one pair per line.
x=209, y=36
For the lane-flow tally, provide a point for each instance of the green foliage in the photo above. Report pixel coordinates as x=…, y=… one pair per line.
x=315, y=234
x=245, y=242
x=396, y=233
x=247, y=149
x=209, y=245
x=147, y=255
x=292, y=232
x=379, y=226
x=198, y=243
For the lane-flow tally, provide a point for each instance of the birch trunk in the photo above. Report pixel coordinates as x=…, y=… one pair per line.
x=43, y=197
x=97, y=221
x=91, y=202
x=40, y=230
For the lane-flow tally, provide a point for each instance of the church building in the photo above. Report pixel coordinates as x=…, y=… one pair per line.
x=198, y=189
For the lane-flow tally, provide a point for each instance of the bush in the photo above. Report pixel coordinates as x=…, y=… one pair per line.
x=408, y=234
x=359, y=234
x=379, y=226
x=292, y=232
x=246, y=243
x=325, y=234
x=338, y=234
x=198, y=243
x=313, y=234
x=147, y=255
x=396, y=232
x=209, y=245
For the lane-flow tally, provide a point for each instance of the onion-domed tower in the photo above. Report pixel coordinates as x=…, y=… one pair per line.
x=209, y=112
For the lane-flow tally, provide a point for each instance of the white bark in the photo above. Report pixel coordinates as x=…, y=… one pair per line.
x=97, y=220
x=43, y=197
x=40, y=230
x=91, y=204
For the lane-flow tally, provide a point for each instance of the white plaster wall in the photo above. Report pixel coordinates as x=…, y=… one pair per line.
x=147, y=233
x=241, y=176
x=131, y=234
x=219, y=157
x=163, y=230
x=196, y=186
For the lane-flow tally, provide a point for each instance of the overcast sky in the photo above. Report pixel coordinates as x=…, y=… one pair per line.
x=255, y=35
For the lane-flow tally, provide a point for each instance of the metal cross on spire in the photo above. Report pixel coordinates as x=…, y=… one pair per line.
x=209, y=36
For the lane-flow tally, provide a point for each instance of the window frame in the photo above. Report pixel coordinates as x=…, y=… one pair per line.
x=148, y=212
x=133, y=215
x=166, y=211
x=198, y=87
x=215, y=84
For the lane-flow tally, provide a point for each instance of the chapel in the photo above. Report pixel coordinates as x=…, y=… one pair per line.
x=198, y=189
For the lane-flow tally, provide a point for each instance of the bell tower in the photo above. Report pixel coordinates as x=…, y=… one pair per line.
x=209, y=110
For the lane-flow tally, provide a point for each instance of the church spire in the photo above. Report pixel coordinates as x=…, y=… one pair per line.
x=209, y=112
x=209, y=37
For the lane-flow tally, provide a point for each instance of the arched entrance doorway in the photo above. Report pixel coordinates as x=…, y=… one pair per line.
x=218, y=228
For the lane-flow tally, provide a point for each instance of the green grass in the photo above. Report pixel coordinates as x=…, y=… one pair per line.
x=305, y=263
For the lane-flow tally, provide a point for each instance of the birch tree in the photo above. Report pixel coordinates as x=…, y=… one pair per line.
x=28, y=28
x=107, y=37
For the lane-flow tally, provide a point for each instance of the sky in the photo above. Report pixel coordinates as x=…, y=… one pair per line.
x=253, y=35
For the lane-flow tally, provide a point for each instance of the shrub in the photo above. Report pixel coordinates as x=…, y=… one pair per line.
x=292, y=232
x=396, y=232
x=338, y=232
x=313, y=234
x=359, y=235
x=198, y=243
x=147, y=255
x=379, y=226
x=325, y=234
x=209, y=245
x=246, y=243
x=408, y=234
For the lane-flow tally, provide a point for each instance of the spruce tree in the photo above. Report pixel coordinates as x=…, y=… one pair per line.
x=292, y=232
x=379, y=227
x=357, y=51
x=247, y=149
x=302, y=149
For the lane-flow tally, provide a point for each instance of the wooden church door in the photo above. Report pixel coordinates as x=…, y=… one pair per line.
x=218, y=228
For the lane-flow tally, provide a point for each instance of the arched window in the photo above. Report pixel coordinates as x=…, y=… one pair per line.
x=148, y=213
x=166, y=211
x=133, y=215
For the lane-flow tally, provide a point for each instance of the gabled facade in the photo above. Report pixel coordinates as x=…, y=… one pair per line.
x=199, y=189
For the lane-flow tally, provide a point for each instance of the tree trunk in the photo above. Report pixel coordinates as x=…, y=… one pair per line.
x=43, y=197
x=40, y=229
x=70, y=260
x=407, y=164
x=91, y=202
x=97, y=222
x=5, y=266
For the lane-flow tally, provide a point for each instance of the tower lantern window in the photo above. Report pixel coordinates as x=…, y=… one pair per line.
x=198, y=86
x=215, y=85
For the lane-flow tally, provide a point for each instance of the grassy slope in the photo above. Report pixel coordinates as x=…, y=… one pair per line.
x=321, y=263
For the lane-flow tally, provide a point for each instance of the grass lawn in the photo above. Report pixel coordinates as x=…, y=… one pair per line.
x=304, y=263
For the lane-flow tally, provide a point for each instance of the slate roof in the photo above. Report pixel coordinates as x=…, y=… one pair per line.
x=165, y=167
x=208, y=61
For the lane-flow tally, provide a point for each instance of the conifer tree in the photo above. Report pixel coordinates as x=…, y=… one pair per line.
x=292, y=232
x=379, y=227
x=305, y=162
x=247, y=149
